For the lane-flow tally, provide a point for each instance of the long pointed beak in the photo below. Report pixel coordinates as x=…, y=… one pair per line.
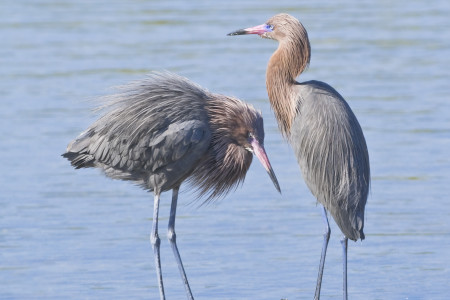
x=260, y=29
x=260, y=153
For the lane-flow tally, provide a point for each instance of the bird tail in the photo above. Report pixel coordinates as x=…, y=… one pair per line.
x=351, y=224
x=77, y=152
x=78, y=160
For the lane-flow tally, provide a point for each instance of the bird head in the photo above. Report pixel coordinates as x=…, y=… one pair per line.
x=276, y=28
x=247, y=131
x=238, y=132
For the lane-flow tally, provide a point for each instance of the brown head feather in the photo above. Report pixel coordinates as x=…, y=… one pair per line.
x=289, y=61
x=228, y=160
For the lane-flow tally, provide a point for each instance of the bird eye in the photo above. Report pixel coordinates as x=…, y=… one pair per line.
x=270, y=27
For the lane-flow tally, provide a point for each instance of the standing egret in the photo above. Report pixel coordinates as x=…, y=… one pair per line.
x=323, y=131
x=163, y=130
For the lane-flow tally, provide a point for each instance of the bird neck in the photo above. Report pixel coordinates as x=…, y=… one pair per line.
x=226, y=163
x=286, y=64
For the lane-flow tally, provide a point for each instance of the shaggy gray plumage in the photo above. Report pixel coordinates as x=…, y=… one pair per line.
x=331, y=150
x=164, y=129
x=160, y=131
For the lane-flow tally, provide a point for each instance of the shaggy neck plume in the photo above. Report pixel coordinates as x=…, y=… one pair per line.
x=227, y=162
x=286, y=64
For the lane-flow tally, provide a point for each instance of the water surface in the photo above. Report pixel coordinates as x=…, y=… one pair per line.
x=78, y=235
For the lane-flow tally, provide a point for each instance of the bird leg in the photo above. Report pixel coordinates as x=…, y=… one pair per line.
x=173, y=242
x=326, y=238
x=344, y=243
x=155, y=240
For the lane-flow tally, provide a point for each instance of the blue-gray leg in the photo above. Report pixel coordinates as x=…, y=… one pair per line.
x=344, y=243
x=173, y=242
x=156, y=242
x=326, y=238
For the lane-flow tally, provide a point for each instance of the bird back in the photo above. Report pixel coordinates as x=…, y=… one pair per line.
x=332, y=153
x=146, y=130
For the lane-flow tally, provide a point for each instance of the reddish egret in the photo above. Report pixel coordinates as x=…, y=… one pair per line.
x=323, y=131
x=160, y=131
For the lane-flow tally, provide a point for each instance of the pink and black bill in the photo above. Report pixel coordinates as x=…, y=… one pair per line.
x=260, y=153
x=260, y=29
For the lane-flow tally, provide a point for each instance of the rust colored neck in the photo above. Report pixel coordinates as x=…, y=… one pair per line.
x=286, y=64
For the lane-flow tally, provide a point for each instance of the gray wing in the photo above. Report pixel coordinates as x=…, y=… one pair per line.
x=161, y=159
x=332, y=153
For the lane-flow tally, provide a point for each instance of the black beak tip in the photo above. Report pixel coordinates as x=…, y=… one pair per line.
x=278, y=188
x=275, y=181
x=237, y=32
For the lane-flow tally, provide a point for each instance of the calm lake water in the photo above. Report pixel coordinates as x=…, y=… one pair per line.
x=67, y=234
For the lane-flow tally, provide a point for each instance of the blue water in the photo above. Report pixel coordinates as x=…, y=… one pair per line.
x=67, y=234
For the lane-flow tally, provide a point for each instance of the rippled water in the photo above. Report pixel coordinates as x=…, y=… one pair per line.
x=78, y=235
